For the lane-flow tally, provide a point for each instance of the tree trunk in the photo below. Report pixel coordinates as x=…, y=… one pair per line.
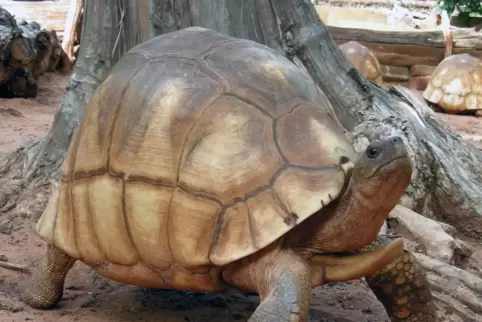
x=72, y=25
x=110, y=28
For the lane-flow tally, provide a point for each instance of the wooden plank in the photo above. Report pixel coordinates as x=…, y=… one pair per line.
x=407, y=48
x=463, y=38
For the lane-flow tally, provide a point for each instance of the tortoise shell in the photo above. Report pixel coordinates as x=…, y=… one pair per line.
x=364, y=61
x=23, y=54
x=197, y=149
x=456, y=84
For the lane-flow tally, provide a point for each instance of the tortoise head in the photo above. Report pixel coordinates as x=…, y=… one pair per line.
x=378, y=180
x=43, y=41
x=382, y=173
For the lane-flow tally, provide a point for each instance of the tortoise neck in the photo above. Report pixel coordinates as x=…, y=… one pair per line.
x=350, y=222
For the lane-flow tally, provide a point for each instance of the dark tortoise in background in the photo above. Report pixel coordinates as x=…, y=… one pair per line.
x=26, y=52
x=206, y=162
x=364, y=60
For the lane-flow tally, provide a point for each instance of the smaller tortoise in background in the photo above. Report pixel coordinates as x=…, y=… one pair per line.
x=206, y=162
x=456, y=85
x=364, y=61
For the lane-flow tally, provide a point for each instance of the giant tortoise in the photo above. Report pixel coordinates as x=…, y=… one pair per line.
x=206, y=162
x=455, y=85
x=364, y=60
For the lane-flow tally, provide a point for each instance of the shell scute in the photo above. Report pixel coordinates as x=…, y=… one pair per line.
x=258, y=75
x=147, y=215
x=102, y=199
x=455, y=84
x=305, y=192
x=310, y=137
x=230, y=151
x=92, y=139
x=155, y=118
x=185, y=43
x=192, y=227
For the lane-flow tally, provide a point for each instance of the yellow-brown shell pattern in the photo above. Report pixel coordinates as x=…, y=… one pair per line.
x=198, y=149
x=456, y=84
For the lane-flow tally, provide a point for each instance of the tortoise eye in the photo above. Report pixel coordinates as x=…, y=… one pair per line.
x=372, y=153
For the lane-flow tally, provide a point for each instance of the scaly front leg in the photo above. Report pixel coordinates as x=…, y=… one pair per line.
x=403, y=289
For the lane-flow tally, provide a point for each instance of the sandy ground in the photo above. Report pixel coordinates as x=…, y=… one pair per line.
x=89, y=297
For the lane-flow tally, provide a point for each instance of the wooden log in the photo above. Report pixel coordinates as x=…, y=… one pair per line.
x=408, y=48
x=395, y=73
x=421, y=70
x=73, y=25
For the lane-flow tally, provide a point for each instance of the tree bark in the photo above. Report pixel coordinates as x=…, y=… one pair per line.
x=71, y=32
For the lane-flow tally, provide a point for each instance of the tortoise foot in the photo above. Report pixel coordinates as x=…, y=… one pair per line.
x=283, y=281
x=278, y=309
x=45, y=288
x=404, y=291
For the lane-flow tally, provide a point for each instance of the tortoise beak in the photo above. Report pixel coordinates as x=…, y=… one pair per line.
x=340, y=268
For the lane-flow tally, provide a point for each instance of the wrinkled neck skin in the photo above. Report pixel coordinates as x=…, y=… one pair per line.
x=354, y=219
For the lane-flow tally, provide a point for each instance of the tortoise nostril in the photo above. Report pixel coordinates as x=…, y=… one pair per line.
x=396, y=139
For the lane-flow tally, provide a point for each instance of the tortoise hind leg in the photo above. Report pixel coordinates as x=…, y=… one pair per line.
x=281, y=278
x=403, y=289
x=46, y=286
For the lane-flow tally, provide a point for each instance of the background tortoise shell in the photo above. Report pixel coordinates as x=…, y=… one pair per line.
x=456, y=84
x=364, y=60
x=197, y=149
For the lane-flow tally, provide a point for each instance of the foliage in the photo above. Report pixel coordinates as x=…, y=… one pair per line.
x=469, y=8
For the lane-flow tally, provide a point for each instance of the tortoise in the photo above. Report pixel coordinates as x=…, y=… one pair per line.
x=364, y=61
x=455, y=85
x=56, y=52
x=205, y=163
x=40, y=42
x=44, y=45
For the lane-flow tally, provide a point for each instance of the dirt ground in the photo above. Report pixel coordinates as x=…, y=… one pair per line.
x=89, y=297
